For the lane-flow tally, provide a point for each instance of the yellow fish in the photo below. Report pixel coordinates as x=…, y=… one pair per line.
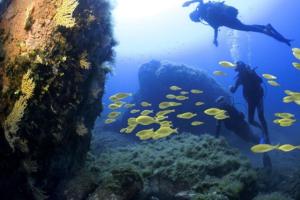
x=109, y=121
x=145, y=120
x=181, y=98
x=269, y=76
x=145, y=134
x=296, y=65
x=164, y=112
x=130, y=129
x=221, y=116
x=134, y=111
x=219, y=73
x=163, y=132
x=187, y=115
x=113, y=98
x=227, y=64
x=286, y=120
x=296, y=53
x=273, y=83
x=161, y=117
x=165, y=104
x=128, y=105
x=197, y=123
x=284, y=115
x=263, y=148
x=122, y=95
x=184, y=92
x=285, y=124
x=131, y=121
x=175, y=88
x=146, y=112
x=166, y=124
x=288, y=99
x=114, y=115
x=114, y=106
x=287, y=147
x=119, y=103
x=199, y=103
x=194, y=91
x=146, y=104
x=213, y=111
x=171, y=96
x=123, y=130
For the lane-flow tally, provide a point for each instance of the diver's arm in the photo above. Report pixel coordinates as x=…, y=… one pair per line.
x=218, y=128
x=187, y=3
x=216, y=36
x=236, y=86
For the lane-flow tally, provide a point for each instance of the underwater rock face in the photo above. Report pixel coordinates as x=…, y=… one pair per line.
x=156, y=77
x=184, y=167
x=52, y=75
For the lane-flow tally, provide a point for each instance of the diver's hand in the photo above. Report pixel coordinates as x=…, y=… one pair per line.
x=186, y=4
x=231, y=89
x=216, y=43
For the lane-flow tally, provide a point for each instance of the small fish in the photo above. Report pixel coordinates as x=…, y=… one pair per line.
x=287, y=147
x=288, y=99
x=134, y=111
x=128, y=105
x=269, y=76
x=285, y=124
x=114, y=106
x=184, y=92
x=123, y=130
x=286, y=120
x=113, y=98
x=109, y=121
x=227, y=64
x=114, y=115
x=130, y=129
x=219, y=73
x=165, y=104
x=171, y=96
x=145, y=134
x=131, y=121
x=145, y=120
x=221, y=116
x=263, y=148
x=181, y=98
x=194, y=91
x=166, y=124
x=146, y=112
x=163, y=132
x=197, y=123
x=161, y=117
x=186, y=115
x=213, y=111
x=119, y=103
x=122, y=95
x=164, y=112
x=284, y=115
x=273, y=83
x=175, y=88
x=296, y=53
x=296, y=65
x=146, y=104
x=199, y=103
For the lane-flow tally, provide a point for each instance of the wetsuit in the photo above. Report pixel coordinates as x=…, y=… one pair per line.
x=253, y=94
x=218, y=14
x=237, y=124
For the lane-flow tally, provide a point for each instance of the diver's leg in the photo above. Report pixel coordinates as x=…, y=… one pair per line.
x=216, y=32
x=251, y=113
x=261, y=116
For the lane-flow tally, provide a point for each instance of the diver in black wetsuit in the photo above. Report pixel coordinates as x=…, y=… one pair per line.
x=237, y=124
x=254, y=94
x=218, y=14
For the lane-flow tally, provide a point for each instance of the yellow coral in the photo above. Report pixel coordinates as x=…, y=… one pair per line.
x=84, y=63
x=11, y=123
x=64, y=13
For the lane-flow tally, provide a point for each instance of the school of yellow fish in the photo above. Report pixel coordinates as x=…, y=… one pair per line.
x=166, y=127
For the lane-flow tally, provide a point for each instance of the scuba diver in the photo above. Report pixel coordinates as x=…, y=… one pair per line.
x=218, y=14
x=238, y=125
x=253, y=93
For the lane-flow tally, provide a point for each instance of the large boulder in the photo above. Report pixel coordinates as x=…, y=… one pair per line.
x=52, y=74
x=156, y=77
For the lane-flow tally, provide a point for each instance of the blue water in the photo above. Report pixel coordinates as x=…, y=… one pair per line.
x=172, y=36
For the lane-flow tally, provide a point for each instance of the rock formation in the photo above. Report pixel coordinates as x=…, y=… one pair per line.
x=53, y=56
